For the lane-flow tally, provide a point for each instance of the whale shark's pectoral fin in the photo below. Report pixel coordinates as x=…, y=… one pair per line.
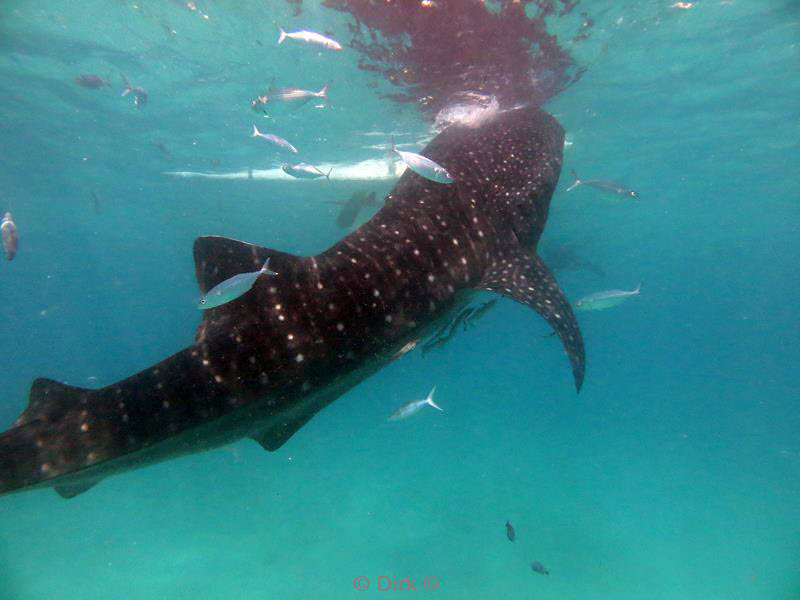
x=73, y=489
x=276, y=436
x=218, y=258
x=526, y=279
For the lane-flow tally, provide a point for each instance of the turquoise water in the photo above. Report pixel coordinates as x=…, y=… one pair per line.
x=675, y=474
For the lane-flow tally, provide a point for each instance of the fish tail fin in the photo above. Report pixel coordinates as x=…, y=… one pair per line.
x=328, y=174
x=282, y=36
x=577, y=181
x=323, y=93
x=429, y=400
x=128, y=86
x=638, y=289
x=256, y=132
x=40, y=426
x=392, y=155
x=265, y=270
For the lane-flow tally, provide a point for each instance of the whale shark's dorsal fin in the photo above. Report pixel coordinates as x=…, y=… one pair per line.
x=525, y=278
x=217, y=258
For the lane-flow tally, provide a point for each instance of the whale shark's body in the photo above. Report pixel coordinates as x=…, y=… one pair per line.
x=262, y=365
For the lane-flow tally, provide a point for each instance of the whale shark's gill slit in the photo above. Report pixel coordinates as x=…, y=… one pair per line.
x=526, y=279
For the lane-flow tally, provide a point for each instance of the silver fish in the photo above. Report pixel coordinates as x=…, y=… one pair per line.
x=232, y=288
x=407, y=347
x=10, y=237
x=424, y=167
x=411, y=408
x=287, y=96
x=305, y=171
x=606, y=299
x=278, y=141
x=606, y=186
x=310, y=37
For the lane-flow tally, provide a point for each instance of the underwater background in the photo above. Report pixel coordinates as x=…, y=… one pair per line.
x=674, y=474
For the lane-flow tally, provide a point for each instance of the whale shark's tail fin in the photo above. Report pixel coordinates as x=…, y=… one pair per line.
x=38, y=437
x=525, y=278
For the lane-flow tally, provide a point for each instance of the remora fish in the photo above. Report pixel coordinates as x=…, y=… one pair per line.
x=293, y=97
x=263, y=366
x=305, y=171
x=232, y=288
x=310, y=37
x=424, y=166
x=411, y=408
x=278, y=141
x=606, y=299
x=606, y=186
x=10, y=236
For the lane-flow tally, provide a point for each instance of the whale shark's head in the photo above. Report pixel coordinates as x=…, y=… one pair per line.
x=508, y=169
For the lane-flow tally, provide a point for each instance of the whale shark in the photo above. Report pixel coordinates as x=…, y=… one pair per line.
x=262, y=365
